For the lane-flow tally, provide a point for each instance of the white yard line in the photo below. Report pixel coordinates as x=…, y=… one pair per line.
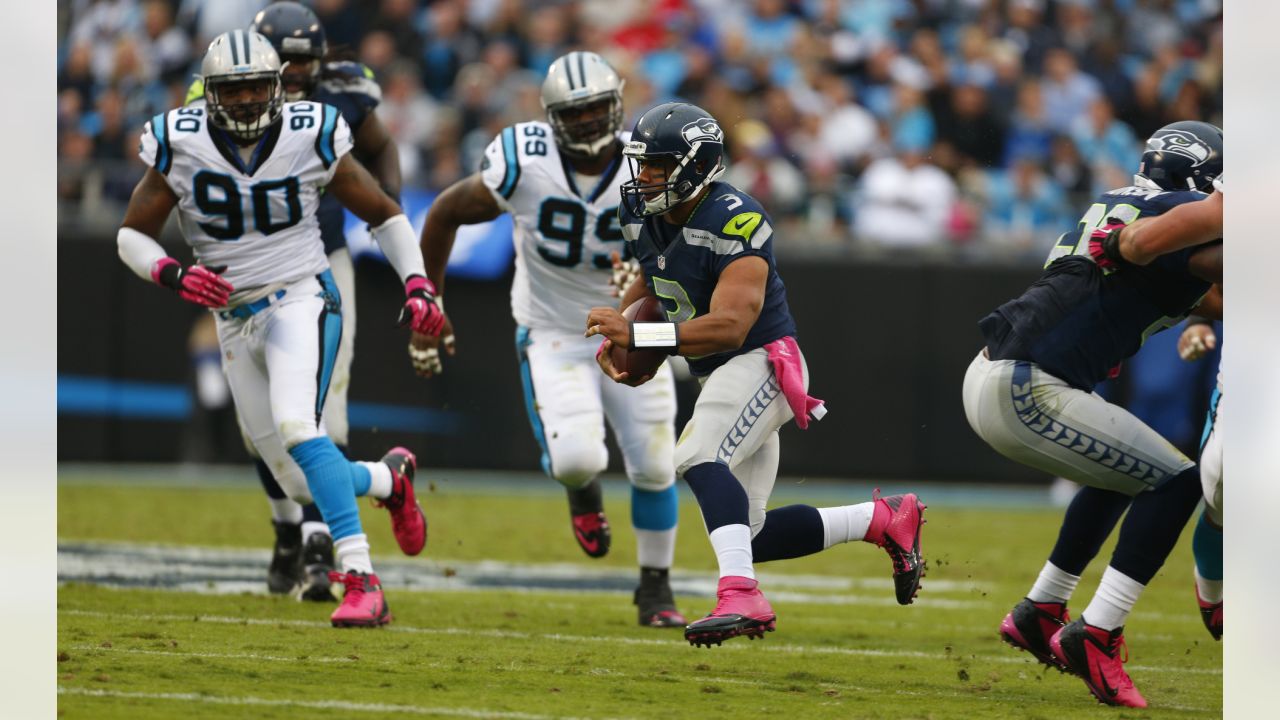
x=380, y=708
x=769, y=647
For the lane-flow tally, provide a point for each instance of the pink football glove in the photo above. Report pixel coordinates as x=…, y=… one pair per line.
x=420, y=311
x=1104, y=245
x=197, y=284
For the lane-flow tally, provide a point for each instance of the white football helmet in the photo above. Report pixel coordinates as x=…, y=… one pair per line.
x=575, y=82
x=239, y=56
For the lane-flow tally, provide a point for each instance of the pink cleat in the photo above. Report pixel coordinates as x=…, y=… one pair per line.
x=408, y=522
x=895, y=526
x=1029, y=625
x=362, y=604
x=1211, y=614
x=741, y=609
x=1096, y=656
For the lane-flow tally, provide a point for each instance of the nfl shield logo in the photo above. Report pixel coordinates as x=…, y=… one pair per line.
x=662, y=262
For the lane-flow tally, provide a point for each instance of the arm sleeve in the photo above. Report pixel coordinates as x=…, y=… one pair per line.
x=400, y=245
x=500, y=168
x=139, y=251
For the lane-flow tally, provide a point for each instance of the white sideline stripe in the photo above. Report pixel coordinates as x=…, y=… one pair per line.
x=315, y=704
x=614, y=640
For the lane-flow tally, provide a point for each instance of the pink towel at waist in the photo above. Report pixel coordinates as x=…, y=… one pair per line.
x=784, y=355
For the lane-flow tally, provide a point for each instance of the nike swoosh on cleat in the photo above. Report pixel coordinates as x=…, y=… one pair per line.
x=1106, y=686
x=590, y=545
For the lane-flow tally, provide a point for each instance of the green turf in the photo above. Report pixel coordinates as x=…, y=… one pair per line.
x=480, y=654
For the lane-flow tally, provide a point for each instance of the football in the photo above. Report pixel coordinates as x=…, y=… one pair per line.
x=640, y=363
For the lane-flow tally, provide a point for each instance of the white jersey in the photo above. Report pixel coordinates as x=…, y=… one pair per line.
x=563, y=233
x=256, y=218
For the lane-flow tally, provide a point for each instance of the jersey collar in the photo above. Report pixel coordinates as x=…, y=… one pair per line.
x=231, y=153
x=601, y=185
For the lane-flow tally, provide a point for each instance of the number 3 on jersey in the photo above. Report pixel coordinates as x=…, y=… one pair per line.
x=562, y=227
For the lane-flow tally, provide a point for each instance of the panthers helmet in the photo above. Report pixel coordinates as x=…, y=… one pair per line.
x=1185, y=155
x=239, y=56
x=294, y=31
x=575, y=82
x=688, y=141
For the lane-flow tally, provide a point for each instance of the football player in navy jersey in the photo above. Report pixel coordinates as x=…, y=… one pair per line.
x=705, y=249
x=1029, y=394
x=303, y=552
x=1139, y=243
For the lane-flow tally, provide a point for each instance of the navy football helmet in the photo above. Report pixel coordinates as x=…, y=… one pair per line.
x=298, y=37
x=1185, y=155
x=686, y=142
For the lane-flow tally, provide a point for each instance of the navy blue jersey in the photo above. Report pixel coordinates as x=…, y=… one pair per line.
x=1077, y=322
x=350, y=87
x=682, y=263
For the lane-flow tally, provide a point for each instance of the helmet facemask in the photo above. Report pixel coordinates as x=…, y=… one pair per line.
x=684, y=176
x=585, y=127
x=244, y=120
x=308, y=80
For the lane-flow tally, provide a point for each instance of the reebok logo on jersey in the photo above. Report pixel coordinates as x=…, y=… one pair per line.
x=742, y=225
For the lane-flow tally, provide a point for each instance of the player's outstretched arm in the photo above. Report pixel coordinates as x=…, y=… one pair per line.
x=1186, y=225
x=356, y=189
x=466, y=202
x=374, y=146
x=149, y=207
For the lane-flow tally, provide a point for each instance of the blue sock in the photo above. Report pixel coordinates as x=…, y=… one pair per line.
x=789, y=532
x=331, y=479
x=720, y=496
x=654, y=510
x=1206, y=545
x=1090, y=518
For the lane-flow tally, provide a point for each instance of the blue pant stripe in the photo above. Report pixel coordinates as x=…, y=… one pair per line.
x=330, y=337
x=530, y=401
x=1211, y=417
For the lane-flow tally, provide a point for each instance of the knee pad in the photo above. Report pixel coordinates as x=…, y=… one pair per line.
x=654, y=474
x=576, y=458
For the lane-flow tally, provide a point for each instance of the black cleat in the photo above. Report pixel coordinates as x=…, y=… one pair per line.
x=1029, y=625
x=656, y=604
x=590, y=527
x=317, y=558
x=285, y=571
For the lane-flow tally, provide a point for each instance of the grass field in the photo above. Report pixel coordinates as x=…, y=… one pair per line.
x=566, y=644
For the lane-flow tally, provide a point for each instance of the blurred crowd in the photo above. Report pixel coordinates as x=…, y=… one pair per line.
x=979, y=125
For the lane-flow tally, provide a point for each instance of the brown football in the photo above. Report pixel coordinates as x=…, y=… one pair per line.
x=640, y=363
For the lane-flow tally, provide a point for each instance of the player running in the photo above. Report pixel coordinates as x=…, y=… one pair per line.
x=245, y=173
x=706, y=249
x=1028, y=394
x=559, y=181
x=303, y=552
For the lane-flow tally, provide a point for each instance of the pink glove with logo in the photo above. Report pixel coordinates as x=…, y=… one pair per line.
x=784, y=355
x=196, y=284
x=1104, y=245
x=420, y=311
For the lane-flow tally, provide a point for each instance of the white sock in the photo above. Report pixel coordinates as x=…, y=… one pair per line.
x=285, y=510
x=847, y=523
x=311, y=527
x=353, y=553
x=732, y=544
x=1114, y=600
x=655, y=548
x=379, y=479
x=1210, y=590
x=1053, y=585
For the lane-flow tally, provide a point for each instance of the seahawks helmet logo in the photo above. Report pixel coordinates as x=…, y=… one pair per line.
x=1180, y=142
x=703, y=130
